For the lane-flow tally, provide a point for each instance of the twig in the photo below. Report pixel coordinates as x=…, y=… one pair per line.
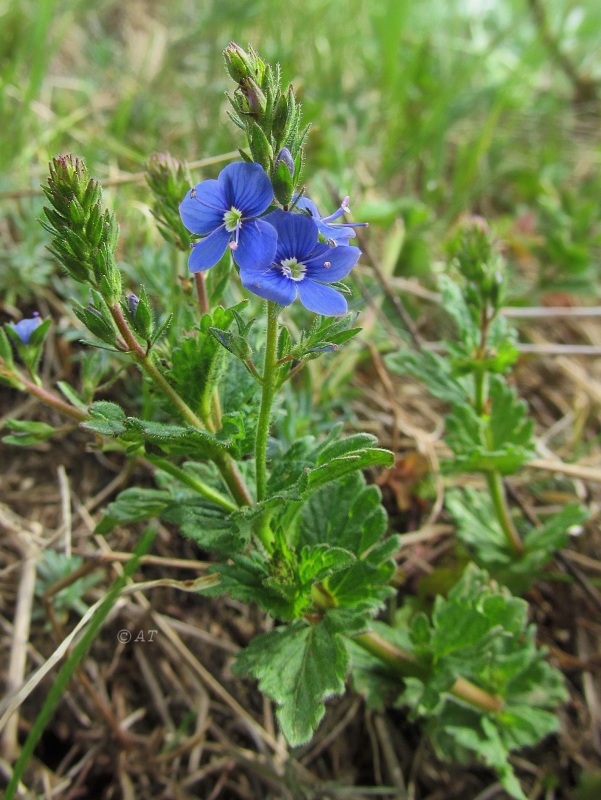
x=21, y=627
x=573, y=470
x=63, y=483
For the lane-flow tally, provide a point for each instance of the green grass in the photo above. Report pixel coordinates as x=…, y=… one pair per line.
x=437, y=106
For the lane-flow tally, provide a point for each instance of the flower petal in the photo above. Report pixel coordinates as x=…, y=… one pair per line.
x=341, y=260
x=256, y=245
x=297, y=234
x=321, y=299
x=202, y=208
x=246, y=187
x=305, y=203
x=339, y=234
x=270, y=284
x=209, y=250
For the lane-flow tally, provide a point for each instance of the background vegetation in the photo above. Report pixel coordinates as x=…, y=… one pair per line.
x=421, y=111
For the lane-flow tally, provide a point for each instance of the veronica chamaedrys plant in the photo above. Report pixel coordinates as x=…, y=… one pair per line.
x=294, y=528
x=487, y=428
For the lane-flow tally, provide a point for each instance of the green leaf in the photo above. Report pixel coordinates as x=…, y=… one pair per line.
x=501, y=441
x=453, y=302
x=298, y=667
x=349, y=514
x=480, y=632
x=199, y=361
x=72, y=396
x=105, y=418
x=478, y=528
x=6, y=351
x=233, y=342
x=344, y=465
x=133, y=505
x=433, y=370
x=184, y=439
x=27, y=432
x=206, y=524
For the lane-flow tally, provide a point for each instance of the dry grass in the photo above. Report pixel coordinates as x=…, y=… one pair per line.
x=161, y=715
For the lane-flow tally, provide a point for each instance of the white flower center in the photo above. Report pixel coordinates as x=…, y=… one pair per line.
x=232, y=219
x=292, y=269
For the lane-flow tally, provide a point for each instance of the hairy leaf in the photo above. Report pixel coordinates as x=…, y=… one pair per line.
x=299, y=667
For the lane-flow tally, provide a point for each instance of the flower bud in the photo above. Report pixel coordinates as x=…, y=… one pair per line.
x=237, y=62
x=285, y=157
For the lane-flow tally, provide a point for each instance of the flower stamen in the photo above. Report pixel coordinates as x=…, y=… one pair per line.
x=293, y=269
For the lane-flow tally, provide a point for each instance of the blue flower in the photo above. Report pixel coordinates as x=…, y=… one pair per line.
x=225, y=212
x=302, y=266
x=25, y=327
x=337, y=233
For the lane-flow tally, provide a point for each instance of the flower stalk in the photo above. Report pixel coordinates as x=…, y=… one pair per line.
x=270, y=372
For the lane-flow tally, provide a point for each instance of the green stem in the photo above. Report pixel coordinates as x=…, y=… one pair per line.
x=497, y=495
x=223, y=460
x=493, y=477
x=194, y=483
x=146, y=363
x=50, y=399
x=407, y=664
x=203, y=304
x=234, y=480
x=270, y=371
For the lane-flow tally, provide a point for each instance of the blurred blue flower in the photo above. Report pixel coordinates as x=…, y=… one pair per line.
x=25, y=327
x=225, y=212
x=334, y=232
x=302, y=266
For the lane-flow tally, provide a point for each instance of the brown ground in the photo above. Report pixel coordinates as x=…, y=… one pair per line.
x=161, y=716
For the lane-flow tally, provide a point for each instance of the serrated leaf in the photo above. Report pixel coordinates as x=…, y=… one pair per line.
x=433, y=370
x=500, y=441
x=480, y=632
x=478, y=528
x=453, y=301
x=206, y=524
x=350, y=515
x=299, y=667
x=354, y=462
x=133, y=505
x=198, y=363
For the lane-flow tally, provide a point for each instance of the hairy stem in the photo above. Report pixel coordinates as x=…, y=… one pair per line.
x=50, y=399
x=223, y=460
x=493, y=477
x=203, y=305
x=407, y=664
x=499, y=501
x=194, y=483
x=270, y=371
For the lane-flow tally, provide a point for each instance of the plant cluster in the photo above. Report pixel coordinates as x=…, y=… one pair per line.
x=295, y=528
